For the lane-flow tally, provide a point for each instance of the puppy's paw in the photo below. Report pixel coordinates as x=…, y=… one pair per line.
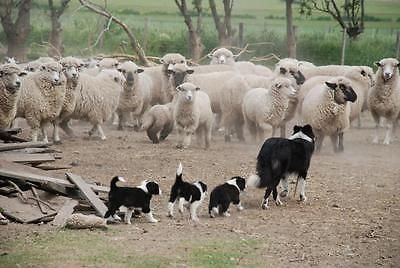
x=153, y=220
x=226, y=214
x=278, y=202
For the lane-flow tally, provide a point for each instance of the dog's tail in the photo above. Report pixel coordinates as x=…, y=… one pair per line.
x=253, y=181
x=179, y=170
x=113, y=184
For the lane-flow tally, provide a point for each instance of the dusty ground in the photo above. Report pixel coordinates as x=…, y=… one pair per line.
x=351, y=217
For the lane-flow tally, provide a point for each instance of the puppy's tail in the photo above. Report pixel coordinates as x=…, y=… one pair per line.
x=113, y=184
x=253, y=181
x=179, y=170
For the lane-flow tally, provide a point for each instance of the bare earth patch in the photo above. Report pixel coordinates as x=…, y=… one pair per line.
x=351, y=217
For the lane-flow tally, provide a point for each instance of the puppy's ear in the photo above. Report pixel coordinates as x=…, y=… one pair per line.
x=296, y=129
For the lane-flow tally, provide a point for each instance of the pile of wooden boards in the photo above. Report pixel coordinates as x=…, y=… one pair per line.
x=29, y=194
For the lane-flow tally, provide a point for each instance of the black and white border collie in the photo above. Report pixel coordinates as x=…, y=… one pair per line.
x=222, y=195
x=134, y=198
x=190, y=195
x=280, y=157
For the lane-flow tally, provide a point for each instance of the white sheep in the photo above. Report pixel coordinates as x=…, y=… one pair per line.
x=384, y=97
x=326, y=109
x=136, y=95
x=98, y=98
x=41, y=98
x=158, y=122
x=10, y=84
x=265, y=109
x=192, y=114
x=34, y=65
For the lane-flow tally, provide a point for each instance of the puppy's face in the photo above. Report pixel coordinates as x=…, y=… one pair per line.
x=203, y=186
x=153, y=188
x=241, y=183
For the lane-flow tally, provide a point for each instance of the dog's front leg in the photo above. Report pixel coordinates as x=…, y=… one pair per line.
x=180, y=204
x=193, y=211
x=171, y=209
x=150, y=217
x=302, y=185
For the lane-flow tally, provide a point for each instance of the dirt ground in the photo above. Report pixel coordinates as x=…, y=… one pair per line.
x=351, y=217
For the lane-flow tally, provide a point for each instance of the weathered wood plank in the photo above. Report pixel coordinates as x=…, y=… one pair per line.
x=14, y=208
x=66, y=210
x=53, y=167
x=17, y=171
x=97, y=204
x=28, y=158
x=22, y=145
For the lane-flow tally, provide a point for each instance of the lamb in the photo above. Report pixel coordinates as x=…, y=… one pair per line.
x=10, y=84
x=158, y=122
x=136, y=96
x=192, y=114
x=71, y=67
x=98, y=98
x=384, y=97
x=326, y=109
x=41, y=98
x=264, y=109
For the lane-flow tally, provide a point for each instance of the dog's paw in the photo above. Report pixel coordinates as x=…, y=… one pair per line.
x=240, y=208
x=153, y=221
x=278, y=202
x=264, y=206
x=226, y=214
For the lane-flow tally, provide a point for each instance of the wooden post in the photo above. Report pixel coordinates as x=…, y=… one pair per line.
x=241, y=27
x=397, y=44
x=146, y=32
x=343, y=47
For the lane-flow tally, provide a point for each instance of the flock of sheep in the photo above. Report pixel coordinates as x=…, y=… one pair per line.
x=198, y=99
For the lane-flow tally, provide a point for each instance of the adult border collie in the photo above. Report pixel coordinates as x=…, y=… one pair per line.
x=280, y=157
x=187, y=194
x=134, y=198
x=223, y=194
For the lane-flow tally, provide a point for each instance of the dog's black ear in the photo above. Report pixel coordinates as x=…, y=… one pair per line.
x=307, y=129
x=296, y=129
x=241, y=182
x=203, y=186
x=153, y=188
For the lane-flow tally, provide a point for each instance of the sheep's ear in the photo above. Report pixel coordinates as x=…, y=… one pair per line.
x=119, y=70
x=190, y=71
x=331, y=85
x=210, y=55
x=178, y=88
x=278, y=85
x=197, y=88
x=1, y=73
x=139, y=70
x=282, y=70
x=377, y=63
x=42, y=67
x=363, y=73
x=23, y=73
x=162, y=61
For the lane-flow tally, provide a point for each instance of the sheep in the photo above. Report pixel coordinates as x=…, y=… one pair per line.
x=159, y=76
x=34, y=66
x=71, y=67
x=264, y=109
x=98, y=98
x=326, y=109
x=158, y=122
x=136, y=96
x=10, y=84
x=384, y=97
x=192, y=114
x=41, y=98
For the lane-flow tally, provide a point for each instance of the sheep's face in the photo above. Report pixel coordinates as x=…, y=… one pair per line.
x=285, y=87
x=388, y=67
x=222, y=56
x=169, y=60
x=53, y=72
x=108, y=63
x=178, y=73
x=10, y=76
x=187, y=91
x=342, y=91
x=71, y=72
x=294, y=72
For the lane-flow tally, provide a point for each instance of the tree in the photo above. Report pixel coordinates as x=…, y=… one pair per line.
x=132, y=38
x=290, y=33
x=16, y=31
x=350, y=16
x=196, y=45
x=55, y=39
x=224, y=27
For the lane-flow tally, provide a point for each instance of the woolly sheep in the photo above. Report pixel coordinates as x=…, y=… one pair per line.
x=135, y=97
x=326, y=109
x=10, y=84
x=158, y=122
x=71, y=67
x=98, y=98
x=192, y=114
x=384, y=97
x=41, y=98
x=34, y=66
x=265, y=109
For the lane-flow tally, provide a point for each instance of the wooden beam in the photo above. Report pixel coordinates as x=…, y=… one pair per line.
x=22, y=145
x=53, y=167
x=24, y=173
x=27, y=158
x=88, y=193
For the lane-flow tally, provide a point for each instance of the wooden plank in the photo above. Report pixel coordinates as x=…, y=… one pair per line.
x=14, y=208
x=27, y=158
x=88, y=193
x=33, y=151
x=53, y=167
x=21, y=145
x=25, y=173
x=66, y=210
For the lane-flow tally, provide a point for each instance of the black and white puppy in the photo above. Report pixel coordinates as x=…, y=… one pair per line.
x=222, y=195
x=134, y=198
x=280, y=157
x=190, y=195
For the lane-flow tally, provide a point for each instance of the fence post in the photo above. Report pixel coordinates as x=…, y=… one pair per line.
x=398, y=44
x=241, y=28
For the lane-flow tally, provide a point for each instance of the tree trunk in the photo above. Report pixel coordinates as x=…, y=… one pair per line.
x=344, y=37
x=16, y=33
x=224, y=29
x=290, y=33
x=56, y=48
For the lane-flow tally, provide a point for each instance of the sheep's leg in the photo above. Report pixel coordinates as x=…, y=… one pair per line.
x=180, y=138
x=120, y=119
x=152, y=134
x=101, y=132
x=389, y=130
x=56, y=134
x=285, y=186
x=200, y=132
x=318, y=142
x=66, y=128
x=44, y=133
x=193, y=210
x=207, y=135
x=266, y=128
x=239, y=131
x=334, y=140
x=34, y=134
x=283, y=130
x=340, y=144
x=187, y=139
x=252, y=130
x=166, y=131
x=376, y=119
